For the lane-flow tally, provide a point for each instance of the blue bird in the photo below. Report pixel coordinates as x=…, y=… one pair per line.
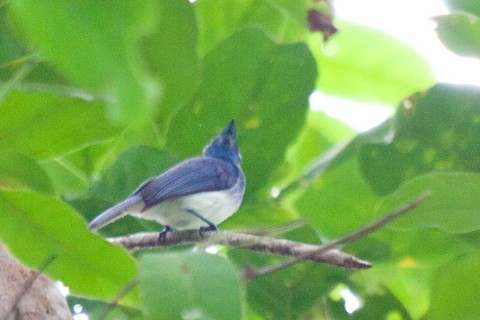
x=199, y=192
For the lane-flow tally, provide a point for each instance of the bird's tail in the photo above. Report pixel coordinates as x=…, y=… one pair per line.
x=114, y=212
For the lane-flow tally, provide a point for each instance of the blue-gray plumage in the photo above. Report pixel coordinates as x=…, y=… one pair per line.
x=200, y=192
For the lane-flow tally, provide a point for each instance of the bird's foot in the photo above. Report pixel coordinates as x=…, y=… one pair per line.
x=163, y=234
x=210, y=227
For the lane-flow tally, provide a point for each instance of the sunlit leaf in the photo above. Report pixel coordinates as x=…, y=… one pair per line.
x=285, y=21
x=36, y=228
x=93, y=43
x=367, y=64
x=18, y=171
x=44, y=126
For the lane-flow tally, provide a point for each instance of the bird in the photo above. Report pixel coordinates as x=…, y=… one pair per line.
x=197, y=193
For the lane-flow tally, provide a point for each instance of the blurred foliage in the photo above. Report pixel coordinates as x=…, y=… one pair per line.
x=470, y=6
x=96, y=97
x=357, y=63
x=460, y=32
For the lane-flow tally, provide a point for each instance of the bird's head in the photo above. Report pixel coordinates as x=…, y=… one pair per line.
x=224, y=146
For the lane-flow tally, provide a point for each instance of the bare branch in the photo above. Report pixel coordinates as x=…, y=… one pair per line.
x=244, y=241
x=369, y=228
x=296, y=250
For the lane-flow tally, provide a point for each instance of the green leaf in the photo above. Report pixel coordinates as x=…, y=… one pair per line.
x=44, y=126
x=455, y=290
x=263, y=86
x=336, y=155
x=339, y=202
x=453, y=206
x=460, y=33
x=433, y=131
x=471, y=6
x=367, y=64
x=380, y=306
x=408, y=267
x=284, y=21
x=67, y=181
x=185, y=285
x=10, y=47
x=93, y=43
x=36, y=228
x=171, y=55
x=411, y=285
x=21, y=172
x=134, y=166
x=319, y=133
x=290, y=293
x=295, y=10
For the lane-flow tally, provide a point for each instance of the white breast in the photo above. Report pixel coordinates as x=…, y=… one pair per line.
x=215, y=206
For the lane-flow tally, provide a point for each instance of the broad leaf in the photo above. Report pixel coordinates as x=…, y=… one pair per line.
x=263, y=86
x=367, y=64
x=455, y=290
x=460, y=33
x=282, y=20
x=433, y=131
x=21, y=172
x=185, y=285
x=453, y=206
x=10, y=48
x=171, y=55
x=407, y=265
x=36, y=228
x=471, y=6
x=93, y=43
x=44, y=126
x=339, y=202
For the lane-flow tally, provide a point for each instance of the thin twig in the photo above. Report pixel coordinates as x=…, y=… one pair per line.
x=18, y=77
x=252, y=273
x=129, y=287
x=318, y=167
x=337, y=155
x=28, y=284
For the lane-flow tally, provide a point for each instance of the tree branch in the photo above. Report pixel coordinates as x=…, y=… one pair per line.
x=296, y=250
x=251, y=273
x=243, y=241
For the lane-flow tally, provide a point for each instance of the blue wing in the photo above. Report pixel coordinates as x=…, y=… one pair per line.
x=195, y=175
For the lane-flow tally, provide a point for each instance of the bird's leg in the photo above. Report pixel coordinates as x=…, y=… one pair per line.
x=163, y=234
x=211, y=226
